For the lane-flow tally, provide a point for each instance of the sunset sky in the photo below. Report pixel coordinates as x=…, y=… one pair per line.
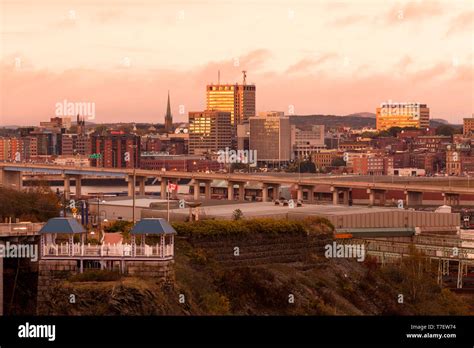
x=322, y=57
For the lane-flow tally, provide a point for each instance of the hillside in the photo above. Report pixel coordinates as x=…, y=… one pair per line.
x=314, y=285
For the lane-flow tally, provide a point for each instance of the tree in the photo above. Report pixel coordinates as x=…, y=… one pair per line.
x=446, y=130
x=37, y=204
x=338, y=162
x=307, y=167
x=101, y=129
x=394, y=131
x=304, y=166
x=368, y=135
x=237, y=214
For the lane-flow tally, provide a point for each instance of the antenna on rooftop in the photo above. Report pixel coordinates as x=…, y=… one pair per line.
x=244, y=75
x=218, y=77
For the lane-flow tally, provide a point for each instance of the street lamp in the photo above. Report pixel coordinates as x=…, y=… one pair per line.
x=98, y=213
x=134, y=146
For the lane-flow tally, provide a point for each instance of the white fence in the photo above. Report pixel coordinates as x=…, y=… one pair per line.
x=108, y=250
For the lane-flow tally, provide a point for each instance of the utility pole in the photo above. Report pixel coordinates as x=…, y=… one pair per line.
x=133, y=196
x=134, y=181
x=168, y=199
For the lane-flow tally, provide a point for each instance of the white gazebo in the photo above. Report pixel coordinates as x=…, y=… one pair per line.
x=51, y=243
x=156, y=227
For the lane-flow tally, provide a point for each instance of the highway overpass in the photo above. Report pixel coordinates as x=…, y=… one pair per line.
x=11, y=175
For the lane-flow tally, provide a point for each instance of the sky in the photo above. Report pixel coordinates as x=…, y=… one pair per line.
x=313, y=57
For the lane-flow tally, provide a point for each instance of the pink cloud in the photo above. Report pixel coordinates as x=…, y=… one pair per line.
x=29, y=96
x=462, y=23
x=404, y=63
x=413, y=11
x=347, y=20
x=307, y=63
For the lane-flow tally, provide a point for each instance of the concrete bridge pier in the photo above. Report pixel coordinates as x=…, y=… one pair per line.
x=345, y=195
x=207, y=189
x=451, y=199
x=300, y=193
x=67, y=187
x=374, y=194
x=276, y=192
x=131, y=185
x=241, y=191
x=141, y=185
x=414, y=198
x=197, y=189
x=264, y=193
x=78, y=185
x=163, y=188
x=11, y=179
x=230, y=191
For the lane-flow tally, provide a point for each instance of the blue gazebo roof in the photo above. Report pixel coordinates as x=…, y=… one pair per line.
x=153, y=226
x=62, y=225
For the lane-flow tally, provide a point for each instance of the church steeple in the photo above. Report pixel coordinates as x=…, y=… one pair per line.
x=168, y=116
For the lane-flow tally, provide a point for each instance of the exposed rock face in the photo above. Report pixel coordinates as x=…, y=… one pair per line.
x=56, y=293
x=261, y=250
x=272, y=275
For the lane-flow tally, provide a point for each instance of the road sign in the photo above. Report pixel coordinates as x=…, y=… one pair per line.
x=172, y=187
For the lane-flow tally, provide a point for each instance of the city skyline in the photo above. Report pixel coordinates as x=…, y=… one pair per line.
x=124, y=57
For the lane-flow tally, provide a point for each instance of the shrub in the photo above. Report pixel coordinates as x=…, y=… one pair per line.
x=96, y=276
x=318, y=225
x=216, y=304
x=239, y=228
x=237, y=214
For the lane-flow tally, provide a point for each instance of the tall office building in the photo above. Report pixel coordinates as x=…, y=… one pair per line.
x=237, y=99
x=270, y=136
x=209, y=131
x=402, y=115
x=168, y=116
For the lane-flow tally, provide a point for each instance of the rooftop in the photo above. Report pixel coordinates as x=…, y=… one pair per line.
x=62, y=225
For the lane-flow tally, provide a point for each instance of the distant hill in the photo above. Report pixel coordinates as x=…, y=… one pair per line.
x=332, y=121
x=436, y=122
x=356, y=120
x=362, y=114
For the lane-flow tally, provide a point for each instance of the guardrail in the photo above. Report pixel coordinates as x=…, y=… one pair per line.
x=20, y=229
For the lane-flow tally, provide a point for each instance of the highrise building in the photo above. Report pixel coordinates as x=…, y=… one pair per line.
x=168, y=116
x=237, y=99
x=402, y=115
x=270, y=136
x=209, y=131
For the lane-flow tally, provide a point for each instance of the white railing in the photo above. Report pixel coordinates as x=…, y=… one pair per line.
x=20, y=229
x=109, y=250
